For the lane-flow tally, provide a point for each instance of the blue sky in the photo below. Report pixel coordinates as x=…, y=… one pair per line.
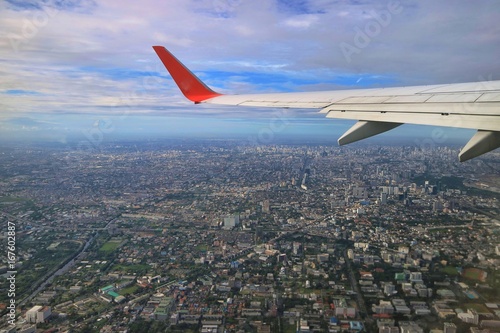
x=67, y=65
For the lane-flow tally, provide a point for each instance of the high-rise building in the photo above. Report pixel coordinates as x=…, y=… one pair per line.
x=383, y=198
x=470, y=317
x=389, y=289
x=416, y=276
x=388, y=190
x=265, y=206
x=297, y=248
x=231, y=221
x=450, y=328
x=410, y=327
x=388, y=329
x=359, y=192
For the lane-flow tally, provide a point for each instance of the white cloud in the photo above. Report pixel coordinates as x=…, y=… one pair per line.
x=301, y=21
x=92, y=57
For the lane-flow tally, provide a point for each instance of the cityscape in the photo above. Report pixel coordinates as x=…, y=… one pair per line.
x=226, y=236
x=231, y=166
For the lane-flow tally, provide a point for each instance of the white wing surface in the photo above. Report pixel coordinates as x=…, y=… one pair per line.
x=464, y=105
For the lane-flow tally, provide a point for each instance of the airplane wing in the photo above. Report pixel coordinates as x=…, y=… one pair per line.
x=465, y=105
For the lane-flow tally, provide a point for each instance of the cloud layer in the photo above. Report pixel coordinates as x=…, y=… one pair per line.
x=95, y=56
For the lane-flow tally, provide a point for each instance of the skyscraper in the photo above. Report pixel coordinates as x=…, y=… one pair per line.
x=265, y=206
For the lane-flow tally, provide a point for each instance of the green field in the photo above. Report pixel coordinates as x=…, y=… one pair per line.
x=11, y=199
x=134, y=268
x=202, y=247
x=450, y=270
x=129, y=290
x=289, y=328
x=110, y=246
x=480, y=308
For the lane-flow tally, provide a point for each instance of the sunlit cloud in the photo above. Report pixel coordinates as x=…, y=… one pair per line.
x=94, y=57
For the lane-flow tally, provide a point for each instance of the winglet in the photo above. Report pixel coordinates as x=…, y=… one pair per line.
x=189, y=84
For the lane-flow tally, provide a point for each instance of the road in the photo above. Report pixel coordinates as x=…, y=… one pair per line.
x=44, y=281
x=355, y=287
x=48, y=279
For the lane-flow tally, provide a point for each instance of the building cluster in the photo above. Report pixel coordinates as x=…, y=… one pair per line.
x=214, y=237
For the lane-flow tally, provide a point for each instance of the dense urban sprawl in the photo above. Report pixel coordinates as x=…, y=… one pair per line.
x=226, y=237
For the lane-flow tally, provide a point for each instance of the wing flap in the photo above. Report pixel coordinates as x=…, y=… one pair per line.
x=452, y=120
x=424, y=108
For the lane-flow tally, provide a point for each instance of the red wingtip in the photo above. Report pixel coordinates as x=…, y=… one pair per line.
x=189, y=84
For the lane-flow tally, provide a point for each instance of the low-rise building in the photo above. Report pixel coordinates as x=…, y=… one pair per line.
x=38, y=314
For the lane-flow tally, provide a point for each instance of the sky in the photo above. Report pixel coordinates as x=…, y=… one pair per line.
x=85, y=69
